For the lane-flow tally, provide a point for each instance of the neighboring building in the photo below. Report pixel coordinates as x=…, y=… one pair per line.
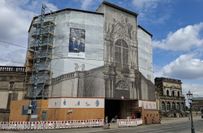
x=87, y=64
x=170, y=99
x=197, y=103
x=145, y=53
x=11, y=88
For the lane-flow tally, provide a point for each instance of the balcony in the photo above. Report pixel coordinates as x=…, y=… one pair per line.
x=172, y=97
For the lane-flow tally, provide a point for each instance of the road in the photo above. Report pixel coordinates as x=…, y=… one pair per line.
x=181, y=125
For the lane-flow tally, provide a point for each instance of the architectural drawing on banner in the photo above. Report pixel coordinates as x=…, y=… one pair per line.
x=77, y=43
x=76, y=103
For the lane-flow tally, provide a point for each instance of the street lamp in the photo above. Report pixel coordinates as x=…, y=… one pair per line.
x=189, y=97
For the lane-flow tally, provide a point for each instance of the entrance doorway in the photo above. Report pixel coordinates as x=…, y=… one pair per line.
x=119, y=109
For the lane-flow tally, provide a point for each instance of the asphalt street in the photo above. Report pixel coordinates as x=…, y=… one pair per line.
x=181, y=125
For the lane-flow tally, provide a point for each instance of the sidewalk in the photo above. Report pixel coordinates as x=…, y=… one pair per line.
x=166, y=120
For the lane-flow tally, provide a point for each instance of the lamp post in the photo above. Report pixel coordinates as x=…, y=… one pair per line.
x=189, y=96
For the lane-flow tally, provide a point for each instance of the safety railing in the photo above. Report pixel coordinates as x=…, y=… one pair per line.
x=12, y=69
x=27, y=125
x=129, y=122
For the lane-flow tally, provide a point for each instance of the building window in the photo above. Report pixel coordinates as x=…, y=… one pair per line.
x=167, y=92
x=178, y=94
x=173, y=106
x=173, y=93
x=24, y=110
x=121, y=53
x=163, y=106
x=168, y=106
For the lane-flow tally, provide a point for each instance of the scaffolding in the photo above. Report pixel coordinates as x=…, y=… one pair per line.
x=39, y=56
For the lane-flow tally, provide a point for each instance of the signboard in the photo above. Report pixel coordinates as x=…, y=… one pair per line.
x=77, y=43
x=147, y=104
x=76, y=103
x=34, y=116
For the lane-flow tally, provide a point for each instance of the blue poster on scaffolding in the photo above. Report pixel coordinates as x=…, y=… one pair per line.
x=77, y=43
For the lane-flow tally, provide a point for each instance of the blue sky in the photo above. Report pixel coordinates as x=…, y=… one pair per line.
x=176, y=25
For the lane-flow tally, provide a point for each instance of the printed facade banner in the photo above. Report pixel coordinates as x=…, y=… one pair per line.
x=77, y=43
x=76, y=103
x=147, y=104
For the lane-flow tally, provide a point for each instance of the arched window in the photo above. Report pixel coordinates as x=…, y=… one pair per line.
x=167, y=92
x=168, y=106
x=178, y=106
x=178, y=94
x=163, y=106
x=173, y=106
x=121, y=52
x=173, y=93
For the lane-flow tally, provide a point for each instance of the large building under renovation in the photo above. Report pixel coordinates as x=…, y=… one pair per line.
x=88, y=64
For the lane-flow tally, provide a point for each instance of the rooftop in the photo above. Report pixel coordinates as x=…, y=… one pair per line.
x=119, y=8
x=139, y=26
x=167, y=80
x=197, y=98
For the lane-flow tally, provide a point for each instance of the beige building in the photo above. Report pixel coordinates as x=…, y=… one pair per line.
x=11, y=88
x=170, y=100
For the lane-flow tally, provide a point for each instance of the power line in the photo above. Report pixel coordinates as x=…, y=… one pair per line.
x=11, y=61
x=3, y=42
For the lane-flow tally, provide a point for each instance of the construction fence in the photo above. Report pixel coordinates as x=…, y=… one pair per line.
x=129, y=122
x=37, y=125
x=27, y=125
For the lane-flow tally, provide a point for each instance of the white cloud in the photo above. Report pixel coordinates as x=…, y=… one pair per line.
x=149, y=12
x=16, y=16
x=85, y=4
x=146, y=4
x=184, y=39
x=196, y=89
x=51, y=6
x=184, y=67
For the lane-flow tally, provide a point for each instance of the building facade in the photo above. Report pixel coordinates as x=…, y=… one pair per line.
x=145, y=53
x=197, y=103
x=91, y=57
x=11, y=88
x=170, y=100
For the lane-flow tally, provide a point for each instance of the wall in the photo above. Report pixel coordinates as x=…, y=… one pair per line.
x=11, y=83
x=145, y=54
x=75, y=114
x=61, y=112
x=113, y=18
x=120, y=32
x=94, y=85
x=65, y=85
x=92, y=23
x=16, y=110
x=150, y=113
x=150, y=116
x=75, y=108
x=79, y=84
